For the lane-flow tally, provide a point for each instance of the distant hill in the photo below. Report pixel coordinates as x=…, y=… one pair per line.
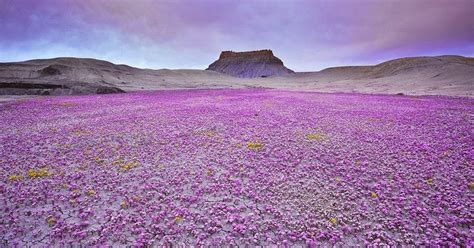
x=438, y=65
x=250, y=64
x=75, y=76
x=440, y=75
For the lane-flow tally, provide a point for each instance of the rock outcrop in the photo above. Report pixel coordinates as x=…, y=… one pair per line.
x=249, y=64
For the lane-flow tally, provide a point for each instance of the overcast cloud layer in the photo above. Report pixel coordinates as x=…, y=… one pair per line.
x=306, y=35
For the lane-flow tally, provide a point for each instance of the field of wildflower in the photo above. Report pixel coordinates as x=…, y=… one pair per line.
x=237, y=167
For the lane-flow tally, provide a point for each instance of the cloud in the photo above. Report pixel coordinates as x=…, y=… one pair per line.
x=307, y=35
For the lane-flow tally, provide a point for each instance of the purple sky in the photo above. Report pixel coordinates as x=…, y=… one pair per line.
x=306, y=35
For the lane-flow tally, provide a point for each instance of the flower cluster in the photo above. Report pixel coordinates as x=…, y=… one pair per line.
x=237, y=167
x=38, y=173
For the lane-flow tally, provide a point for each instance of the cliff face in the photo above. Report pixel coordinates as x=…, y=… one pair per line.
x=249, y=64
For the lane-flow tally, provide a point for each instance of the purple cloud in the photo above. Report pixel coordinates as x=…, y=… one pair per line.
x=307, y=35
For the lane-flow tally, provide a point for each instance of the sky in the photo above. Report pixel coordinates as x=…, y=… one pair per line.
x=306, y=35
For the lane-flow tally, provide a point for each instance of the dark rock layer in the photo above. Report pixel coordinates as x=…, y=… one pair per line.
x=29, y=88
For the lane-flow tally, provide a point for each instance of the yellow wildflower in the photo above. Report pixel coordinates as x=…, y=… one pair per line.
x=429, y=181
x=315, y=136
x=177, y=218
x=254, y=145
x=128, y=166
x=90, y=192
x=38, y=173
x=97, y=159
x=209, y=133
x=373, y=195
x=333, y=220
x=118, y=161
x=51, y=221
x=124, y=204
x=15, y=178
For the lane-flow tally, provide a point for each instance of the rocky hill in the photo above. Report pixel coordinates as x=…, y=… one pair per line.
x=78, y=76
x=440, y=75
x=251, y=64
